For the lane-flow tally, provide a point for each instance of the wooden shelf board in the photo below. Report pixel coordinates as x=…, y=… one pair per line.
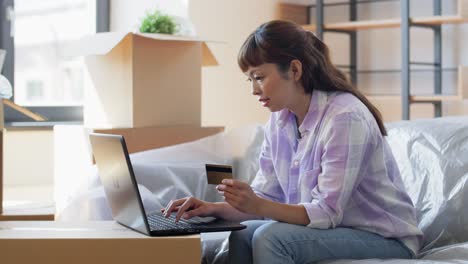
x=383, y=97
x=462, y=92
x=364, y=24
x=24, y=111
x=309, y=27
x=32, y=217
x=439, y=20
x=19, y=206
x=417, y=98
x=20, y=213
x=388, y=23
x=434, y=98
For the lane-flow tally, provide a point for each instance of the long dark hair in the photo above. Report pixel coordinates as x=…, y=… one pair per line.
x=279, y=42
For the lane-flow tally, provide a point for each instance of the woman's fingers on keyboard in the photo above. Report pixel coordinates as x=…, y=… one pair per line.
x=163, y=210
x=172, y=205
x=184, y=207
x=193, y=213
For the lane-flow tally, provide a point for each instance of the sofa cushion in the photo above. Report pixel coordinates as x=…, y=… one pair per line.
x=432, y=155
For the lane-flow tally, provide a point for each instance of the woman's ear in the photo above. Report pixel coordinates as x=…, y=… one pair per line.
x=296, y=69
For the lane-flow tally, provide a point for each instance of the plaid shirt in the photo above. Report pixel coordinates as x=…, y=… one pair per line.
x=339, y=167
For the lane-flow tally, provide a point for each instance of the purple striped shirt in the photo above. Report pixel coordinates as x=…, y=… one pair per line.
x=339, y=167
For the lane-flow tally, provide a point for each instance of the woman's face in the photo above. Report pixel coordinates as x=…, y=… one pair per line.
x=274, y=89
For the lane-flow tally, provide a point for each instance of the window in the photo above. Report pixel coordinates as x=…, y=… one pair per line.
x=36, y=36
x=35, y=91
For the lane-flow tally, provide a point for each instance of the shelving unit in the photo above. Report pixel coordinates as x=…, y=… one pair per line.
x=405, y=22
x=23, y=110
x=24, y=212
x=390, y=23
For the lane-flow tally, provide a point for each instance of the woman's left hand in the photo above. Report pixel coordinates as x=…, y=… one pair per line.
x=240, y=196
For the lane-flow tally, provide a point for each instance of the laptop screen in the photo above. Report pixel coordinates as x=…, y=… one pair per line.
x=119, y=183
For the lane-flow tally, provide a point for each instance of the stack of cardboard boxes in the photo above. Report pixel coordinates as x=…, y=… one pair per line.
x=147, y=87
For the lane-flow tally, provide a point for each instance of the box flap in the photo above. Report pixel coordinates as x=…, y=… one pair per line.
x=168, y=37
x=103, y=43
x=208, y=59
x=98, y=44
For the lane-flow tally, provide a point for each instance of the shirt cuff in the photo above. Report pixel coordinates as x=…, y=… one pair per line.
x=264, y=196
x=317, y=216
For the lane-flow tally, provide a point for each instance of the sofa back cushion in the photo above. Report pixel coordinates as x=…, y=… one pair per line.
x=432, y=156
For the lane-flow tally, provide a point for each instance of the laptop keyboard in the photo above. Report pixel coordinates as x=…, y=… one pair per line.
x=159, y=222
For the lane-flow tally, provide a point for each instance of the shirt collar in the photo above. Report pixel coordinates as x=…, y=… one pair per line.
x=317, y=104
x=318, y=101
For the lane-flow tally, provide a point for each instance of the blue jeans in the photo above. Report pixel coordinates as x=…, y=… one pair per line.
x=265, y=241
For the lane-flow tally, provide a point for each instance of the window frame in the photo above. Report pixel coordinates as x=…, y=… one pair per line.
x=54, y=114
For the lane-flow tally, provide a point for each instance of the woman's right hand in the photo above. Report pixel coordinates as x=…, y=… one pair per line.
x=188, y=207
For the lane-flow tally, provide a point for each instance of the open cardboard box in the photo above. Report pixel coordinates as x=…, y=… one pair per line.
x=92, y=243
x=143, y=80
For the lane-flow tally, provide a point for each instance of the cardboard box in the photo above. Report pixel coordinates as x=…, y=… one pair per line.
x=141, y=139
x=24, y=242
x=143, y=80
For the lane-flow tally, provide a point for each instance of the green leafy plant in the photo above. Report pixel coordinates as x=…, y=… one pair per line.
x=157, y=22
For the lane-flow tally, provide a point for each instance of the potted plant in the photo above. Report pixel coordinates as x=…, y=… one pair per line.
x=158, y=22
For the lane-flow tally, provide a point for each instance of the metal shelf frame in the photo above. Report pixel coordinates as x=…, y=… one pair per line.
x=406, y=24
x=392, y=71
x=344, y=3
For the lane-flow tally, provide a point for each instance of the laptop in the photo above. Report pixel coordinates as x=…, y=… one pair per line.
x=121, y=189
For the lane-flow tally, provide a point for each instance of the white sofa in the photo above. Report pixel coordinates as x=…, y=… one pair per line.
x=432, y=156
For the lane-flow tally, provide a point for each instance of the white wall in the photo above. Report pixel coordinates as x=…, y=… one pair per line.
x=28, y=157
x=227, y=97
x=126, y=15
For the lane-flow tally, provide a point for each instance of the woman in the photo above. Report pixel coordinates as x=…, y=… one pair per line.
x=328, y=186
